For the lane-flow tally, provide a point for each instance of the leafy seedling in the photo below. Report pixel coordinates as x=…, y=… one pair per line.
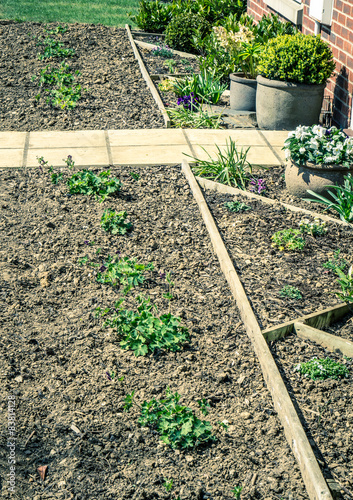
x=288, y=239
x=100, y=186
x=123, y=271
x=114, y=222
x=322, y=369
x=135, y=176
x=236, y=206
x=290, y=292
x=82, y=261
x=346, y=283
x=237, y=491
x=316, y=228
x=168, y=484
x=336, y=263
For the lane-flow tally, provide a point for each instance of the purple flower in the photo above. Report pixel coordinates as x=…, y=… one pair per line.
x=86, y=242
x=162, y=275
x=258, y=186
x=102, y=268
x=108, y=376
x=188, y=101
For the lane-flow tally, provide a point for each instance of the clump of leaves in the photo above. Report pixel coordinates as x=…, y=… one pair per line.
x=182, y=117
x=288, y=239
x=290, y=292
x=237, y=491
x=346, y=283
x=65, y=96
x=316, y=228
x=54, y=49
x=114, y=222
x=205, y=87
x=135, y=176
x=101, y=186
x=143, y=332
x=168, y=484
x=341, y=200
x=229, y=167
x=322, y=369
x=237, y=206
x=336, y=263
x=125, y=271
x=177, y=425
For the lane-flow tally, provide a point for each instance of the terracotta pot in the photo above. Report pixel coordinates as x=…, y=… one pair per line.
x=242, y=92
x=317, y=178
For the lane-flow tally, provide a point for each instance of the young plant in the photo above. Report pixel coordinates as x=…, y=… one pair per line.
x=230, y=167
x=346, y=283
x=170, y=64
x=168, y=484
x=336, y=263
x=162, y=51
x=322, y=369
x=54, y=49
x=114, y=222
x=101, y=186
x=135, y=176
x=176, y=424
x=205, y=87
x=237, y=492
x=189, y=102
x=258, y=186
x=341, y=199
x=65, y=97
x=237, y=206
x=142, y=332
x=288, y=239
x=184, y=118
x=69, y=161
x=290, y=292
x=316, y=228
x=123, y=271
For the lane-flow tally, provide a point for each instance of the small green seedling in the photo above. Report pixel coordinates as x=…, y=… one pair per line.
x=143, y=332
x=123, y=271
x=177, y=425
x=290, y=292
x=135, y=176
x=322, y=369
x=168, y=295
x=82, y=261
x=316, y=228
x=101, y=186
x=288, y=239
x=346, y=283
x=168, y=484
x=336, y=263
x=204, y=406
x=114, y=222
x=236, y=206
x=223, y=424
x=237, y=491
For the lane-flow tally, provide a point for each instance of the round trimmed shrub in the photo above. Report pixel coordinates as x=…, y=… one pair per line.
x=297, y=58
x=182, y=29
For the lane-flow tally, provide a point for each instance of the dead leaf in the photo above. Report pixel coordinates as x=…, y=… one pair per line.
x=42, y=470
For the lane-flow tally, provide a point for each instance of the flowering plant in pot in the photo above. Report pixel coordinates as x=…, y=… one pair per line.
x=293, y=70
x=318, y=158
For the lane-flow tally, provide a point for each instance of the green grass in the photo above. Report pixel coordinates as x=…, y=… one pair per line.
x=107, y=12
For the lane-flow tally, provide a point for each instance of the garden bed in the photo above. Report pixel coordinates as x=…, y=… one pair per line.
x=59, y=362
x=116, y=97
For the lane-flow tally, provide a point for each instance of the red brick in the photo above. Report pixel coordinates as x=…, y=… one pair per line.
x=349, y=23
x=339, y=5
x=347, y=46
x=342, y=19
x=347, y=9
x=343, y=58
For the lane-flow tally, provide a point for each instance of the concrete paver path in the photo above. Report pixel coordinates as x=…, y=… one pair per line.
x=96, y=148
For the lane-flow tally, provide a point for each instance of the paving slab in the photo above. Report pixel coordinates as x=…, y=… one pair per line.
x=83, y=157
x=146, y=137
x=11, y=158
x=12, y=140
x=257, y=155
x=67, y=139
x=244, y=137
x=149, y=155
x=275, y=137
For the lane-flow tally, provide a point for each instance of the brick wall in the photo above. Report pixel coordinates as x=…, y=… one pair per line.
x=340, y=37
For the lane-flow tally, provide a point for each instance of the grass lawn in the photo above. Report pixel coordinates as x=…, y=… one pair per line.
x=108, y=12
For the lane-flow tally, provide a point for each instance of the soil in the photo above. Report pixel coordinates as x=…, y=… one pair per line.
x=156, y=65
x=116, y=96
x=55, y=355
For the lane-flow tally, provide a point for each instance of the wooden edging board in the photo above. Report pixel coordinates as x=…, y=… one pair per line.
x=150, y=46
x=319, y=320
x=148, y=80
x=331, y=342
x=314, y=481
x=222, y=188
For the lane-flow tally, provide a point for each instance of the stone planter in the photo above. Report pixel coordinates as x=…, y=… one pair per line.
x=242, y=92
x=285, y=105
x=317, y=178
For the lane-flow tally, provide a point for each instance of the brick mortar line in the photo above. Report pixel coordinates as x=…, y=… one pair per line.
x=25, y=151
x=108, y=146
x=269, y=145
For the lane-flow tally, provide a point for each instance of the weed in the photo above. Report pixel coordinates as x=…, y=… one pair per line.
x=69, y=161
x=346, y=283
x=65, y=97
x=54, y=49
x=101, y=186
x=114, y=222
x=236, y=206
x=142, y=332
x=184, y=118
x=290, y=292
x=336, y=262
x=170, y=64
x=168, y=484
x=316, y=228
x=56, y=177
x=321, y=369
x=123, y=271
x=82, y=261
x=288, y=239
x=176, y=424
x=223, y=424
x=230, y=167
x=341, y=199
x=237, y=491
x=135, y=176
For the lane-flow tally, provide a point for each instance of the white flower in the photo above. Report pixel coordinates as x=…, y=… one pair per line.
x=313, y=143
x=287, y=153
x=291, y=134
x=302, y=150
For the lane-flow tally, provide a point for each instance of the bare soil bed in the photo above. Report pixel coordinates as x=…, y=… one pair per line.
x=116, y=95
x=57, y=359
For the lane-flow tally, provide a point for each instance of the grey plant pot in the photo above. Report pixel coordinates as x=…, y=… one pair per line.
x=242, y=92
x=285, y=105
x=317, y=178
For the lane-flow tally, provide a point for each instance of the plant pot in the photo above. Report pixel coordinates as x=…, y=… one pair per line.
x=242, y=92
x=317, y=178
x=285, y=105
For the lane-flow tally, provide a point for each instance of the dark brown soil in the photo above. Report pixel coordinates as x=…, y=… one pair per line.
x=55, y=355
x=157, y=65
x=116, y=95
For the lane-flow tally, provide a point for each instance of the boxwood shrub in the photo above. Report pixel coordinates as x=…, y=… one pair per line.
x=182, y=28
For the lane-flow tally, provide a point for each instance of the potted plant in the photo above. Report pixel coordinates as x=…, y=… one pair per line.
x=293, y=70
x=243, y=46
x=318, y=158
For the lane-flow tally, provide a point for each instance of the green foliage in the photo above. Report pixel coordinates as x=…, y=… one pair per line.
x=123, y=271
x=170, y=64
x=114, y=222
x=288, y=239
x=101, y=186
x=336, y=263
x=341, y=199
x=230, y=167
x=346, y=283
x=185, y=118
x=82, y=261
x=54, y=49
x=135, y=176
x=270, y=26
x=237, y=206
x=176, y=424
x=168, y=484
x=56, y=76
x=316, y=228
x=153, y=16
x=182, y=29
x=215, y=11
x=237, y=491
x=205, y=86
x=297, y=58
x=322, y=369
x=142, y=332
x=290, y=292
x=65, y=97
x=56, y=177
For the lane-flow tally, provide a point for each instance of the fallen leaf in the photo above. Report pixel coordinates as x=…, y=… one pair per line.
x=42, y=470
